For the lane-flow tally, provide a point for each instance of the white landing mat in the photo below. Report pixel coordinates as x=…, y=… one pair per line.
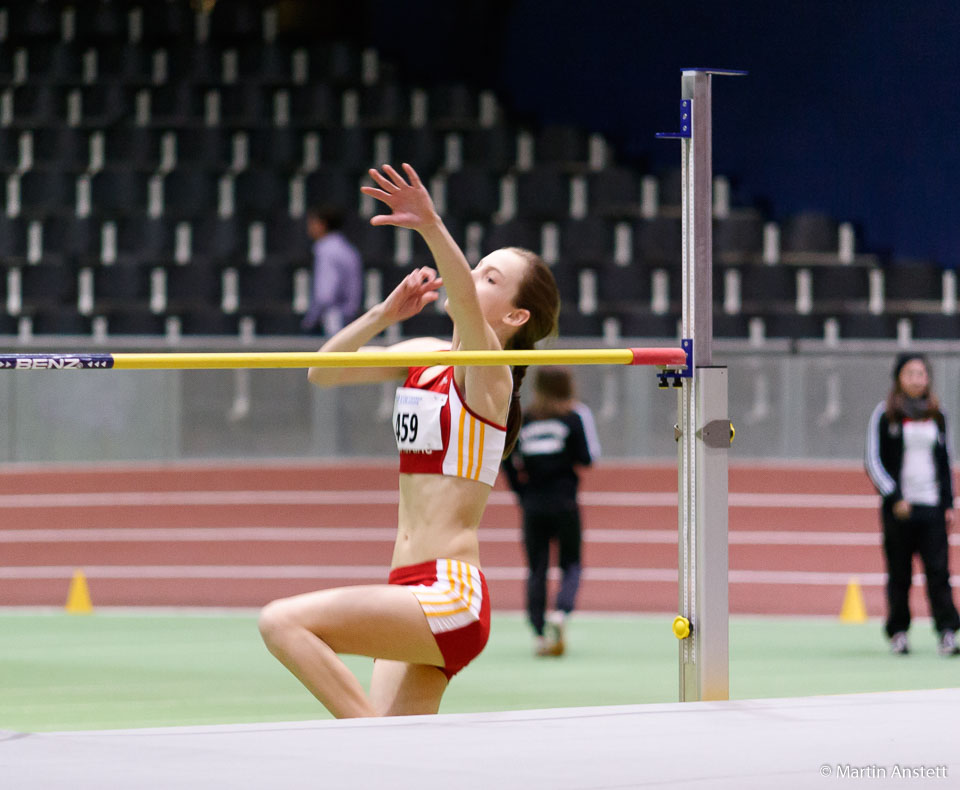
x=903, y=739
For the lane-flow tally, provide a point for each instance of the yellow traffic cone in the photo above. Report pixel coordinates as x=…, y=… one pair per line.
x=853, y=609
x=78, y=599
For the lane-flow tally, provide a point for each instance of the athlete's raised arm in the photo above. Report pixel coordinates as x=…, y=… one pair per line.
x=411, y=207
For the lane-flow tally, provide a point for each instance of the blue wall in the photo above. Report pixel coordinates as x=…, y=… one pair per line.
x=851, y=107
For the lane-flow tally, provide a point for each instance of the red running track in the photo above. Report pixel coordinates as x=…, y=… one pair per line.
x=241, y=535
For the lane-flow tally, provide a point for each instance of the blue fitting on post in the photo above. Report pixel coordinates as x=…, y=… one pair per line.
x=686, y=123
x=687, y=345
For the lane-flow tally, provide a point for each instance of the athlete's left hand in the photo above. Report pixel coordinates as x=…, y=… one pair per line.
x=409, y=201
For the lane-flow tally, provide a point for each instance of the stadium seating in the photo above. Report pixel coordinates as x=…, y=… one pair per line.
x=157, y=166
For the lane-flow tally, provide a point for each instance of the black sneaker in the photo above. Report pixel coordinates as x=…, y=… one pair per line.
x=899, y=645
x=948, y=644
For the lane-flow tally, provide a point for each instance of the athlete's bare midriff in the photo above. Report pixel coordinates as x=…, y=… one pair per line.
x=439, y=517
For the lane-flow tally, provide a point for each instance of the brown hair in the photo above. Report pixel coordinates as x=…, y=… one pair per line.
x=539, y=294
x=896, y=411
x=552, y=392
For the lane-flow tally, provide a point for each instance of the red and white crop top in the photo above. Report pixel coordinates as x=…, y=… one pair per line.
x=438, y=434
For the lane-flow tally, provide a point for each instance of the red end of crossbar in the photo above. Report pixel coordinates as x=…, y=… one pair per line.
x=658, y=356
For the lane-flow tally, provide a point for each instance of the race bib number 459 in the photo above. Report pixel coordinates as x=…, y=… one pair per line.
x=416, y=420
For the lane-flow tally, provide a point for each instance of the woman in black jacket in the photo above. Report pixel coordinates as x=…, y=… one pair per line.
x=908, y=463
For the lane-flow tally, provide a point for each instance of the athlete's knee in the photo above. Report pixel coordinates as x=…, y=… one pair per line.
x=275, y=619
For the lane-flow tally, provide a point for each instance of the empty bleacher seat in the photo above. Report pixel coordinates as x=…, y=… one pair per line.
x=209, y=148
x=124, y=63
x=217, y=240
x=623, y=287
x=37, y=105
x=914, y=286
x=60, y=147
x=117, y=192
x=347, y=149
x=427, y=323
x=422, y=148
x=208, y=321
x=731, y=326
x=73, y=240
x=189, y=193
x=54, y=62
x=573, y=323
x=335, y=63
x=840, y=287
x=646, y=324
x=865, y=326
x=494, y=148
x=936, y=326
x=472, y=193
x=47, y=285
x=738, y=238
x=265, y=287
x=658, y=242
x=59, y=321
x=793, y=326
x=587, y=241
x=565, y=146
x=333, y=185
x=452, y=106
x=613, y=192
x=192, y=287
x=120, y=287
x=132, y=146
x=259, y=192
x=808, y=232
x=104, y=105
x=130, y=320
x=46, y=191
x=543, y=193
x=514, y=233
x=101, y=21
x=175, y=104
x=13, y=240
x=763, y=287
x=314, y=105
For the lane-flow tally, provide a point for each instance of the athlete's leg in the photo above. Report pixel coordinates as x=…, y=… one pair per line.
x=401, y=689
x=307, y=631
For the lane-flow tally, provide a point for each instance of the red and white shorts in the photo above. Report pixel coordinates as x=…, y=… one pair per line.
x=454, y=598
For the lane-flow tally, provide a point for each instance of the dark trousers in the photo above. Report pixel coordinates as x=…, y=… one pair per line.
x=539, y=529
x=924, y=533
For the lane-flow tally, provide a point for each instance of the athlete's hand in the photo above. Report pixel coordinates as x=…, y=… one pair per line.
x=415, y=291
x=409, y=201
x=948, y=517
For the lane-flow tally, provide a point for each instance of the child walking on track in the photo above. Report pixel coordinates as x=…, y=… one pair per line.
x=452, y=426
x=908, y=463
x=558, y=437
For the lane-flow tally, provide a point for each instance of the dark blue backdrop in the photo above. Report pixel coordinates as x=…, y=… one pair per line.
x=851, y=107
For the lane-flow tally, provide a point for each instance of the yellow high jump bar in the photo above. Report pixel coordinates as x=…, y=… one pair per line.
x=659, y=357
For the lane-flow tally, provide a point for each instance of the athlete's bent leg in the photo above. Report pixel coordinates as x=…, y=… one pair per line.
x=401, y=689
x=382, y=621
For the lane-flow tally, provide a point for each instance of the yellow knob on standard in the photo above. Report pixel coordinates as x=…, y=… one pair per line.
x=681, y=627
x=733, y=433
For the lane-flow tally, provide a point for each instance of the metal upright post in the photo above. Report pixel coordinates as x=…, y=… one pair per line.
x=703, y=427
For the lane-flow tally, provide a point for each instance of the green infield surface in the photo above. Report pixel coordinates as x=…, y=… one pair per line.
x=122, y=669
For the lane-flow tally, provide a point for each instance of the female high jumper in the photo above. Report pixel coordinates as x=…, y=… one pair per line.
x=453, y=426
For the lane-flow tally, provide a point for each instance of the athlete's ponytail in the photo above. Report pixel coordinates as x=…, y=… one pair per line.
x=539, y=295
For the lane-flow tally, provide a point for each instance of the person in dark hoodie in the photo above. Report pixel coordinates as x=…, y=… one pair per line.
x=908, y=462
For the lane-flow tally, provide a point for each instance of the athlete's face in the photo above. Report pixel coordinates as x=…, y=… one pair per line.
x=497, y=279
x=914, y=378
